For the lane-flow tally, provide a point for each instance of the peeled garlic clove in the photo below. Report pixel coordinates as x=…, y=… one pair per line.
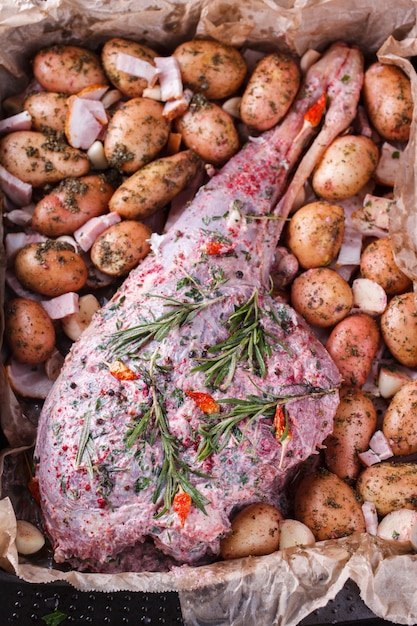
x=73, y=325
x=29, y=539
x=295, y=533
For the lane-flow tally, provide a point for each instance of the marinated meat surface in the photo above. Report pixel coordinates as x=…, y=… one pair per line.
x=193, y=392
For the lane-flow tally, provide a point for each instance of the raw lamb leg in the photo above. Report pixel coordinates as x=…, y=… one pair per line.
x=193, y=392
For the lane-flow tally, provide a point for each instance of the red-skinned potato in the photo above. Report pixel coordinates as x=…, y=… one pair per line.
x=328, y=506
x=354, y=424
x=29, y=331
x=255, y=531
x=67, y=68
x=129, y=85
x=48, y=111
x=71, y=204
x=399, y=328
x=353, y=344
x=378, y=264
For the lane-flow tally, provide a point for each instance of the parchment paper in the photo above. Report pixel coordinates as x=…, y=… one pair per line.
x=284, y=587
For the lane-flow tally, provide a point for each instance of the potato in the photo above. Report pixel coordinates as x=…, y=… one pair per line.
x=390, y=380
x=254, y=532
x=120, y=247
x=390, y=486
x=388, y=101
x=39, y=159
x=29, y=539
x=345, y=168
x=67, y=69
x=136, y=134
x=71, y=204
x=270, y=91
x=129, y=85
x=154, y=185
x=208, y=130
x=328, y=506
x=399, y=328
x=315, y=233
x=294, y=533
x=50, y=268
x=400, y=419
x=397, y=526
x=378, y=264
x=29, y=331
x=353, y=344
x=210, y=68
x=48, y=111
x=321, y=296
x=354, y=424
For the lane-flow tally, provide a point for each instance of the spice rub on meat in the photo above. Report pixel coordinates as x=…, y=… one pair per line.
x=194, y=391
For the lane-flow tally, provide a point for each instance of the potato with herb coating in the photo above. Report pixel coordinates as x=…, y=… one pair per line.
x=153, y=186
x=68, y=68
x=255, y=531
x=50, y=268
x=208, y=130
x=120, y=247
x=315, y=233
x=40, y=159
x=322, y=296
x=390, y=486
x=270, y=91
x=128, y=84
x=388, y=101
x=136, y=134
x=399, y=328
x=29, y=331
x=48, y=111
x=378, y=264
x=400, y=419
x=211, y=68
x=328, y=506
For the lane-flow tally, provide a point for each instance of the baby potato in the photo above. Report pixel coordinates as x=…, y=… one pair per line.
x=400, y=419
x=397, y=527
x=321, y=296
x=208, y=130
x=328, y=506
x=315, y=233
x=388, y=101
x=29, y=331
x=50, y=268
x=48, y=111
x=346, y=166
x=399, y=328
x=71, y=204
x=378, y=264
x=153, y=186
x=390, y=486
x=129, y=85
x=120, y=247
x=353, y=344
x=136, y=134
x=210, y=68
x=67, y=69
x=270, y=91
x=354, y=424
x=40, y=159
x=255, y=531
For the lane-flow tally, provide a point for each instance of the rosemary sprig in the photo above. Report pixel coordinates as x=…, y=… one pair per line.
x=216, y=434
x=248, y=341
x=132, y=339
x=174, y=472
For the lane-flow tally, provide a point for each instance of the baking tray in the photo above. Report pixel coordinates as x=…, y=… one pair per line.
x=24, y=604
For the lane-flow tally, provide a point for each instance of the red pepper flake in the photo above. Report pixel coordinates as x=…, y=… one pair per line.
x=204, y=401
x=283, y=433
x=217, y=247
x=121, y=371
x=315, y=113
x=101, y=503
x=182, y=505
x=34, y=489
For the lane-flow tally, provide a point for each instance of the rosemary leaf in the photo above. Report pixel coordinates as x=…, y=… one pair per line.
x=84, y=438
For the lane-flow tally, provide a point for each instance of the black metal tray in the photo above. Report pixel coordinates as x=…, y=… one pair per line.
x=24, y=604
